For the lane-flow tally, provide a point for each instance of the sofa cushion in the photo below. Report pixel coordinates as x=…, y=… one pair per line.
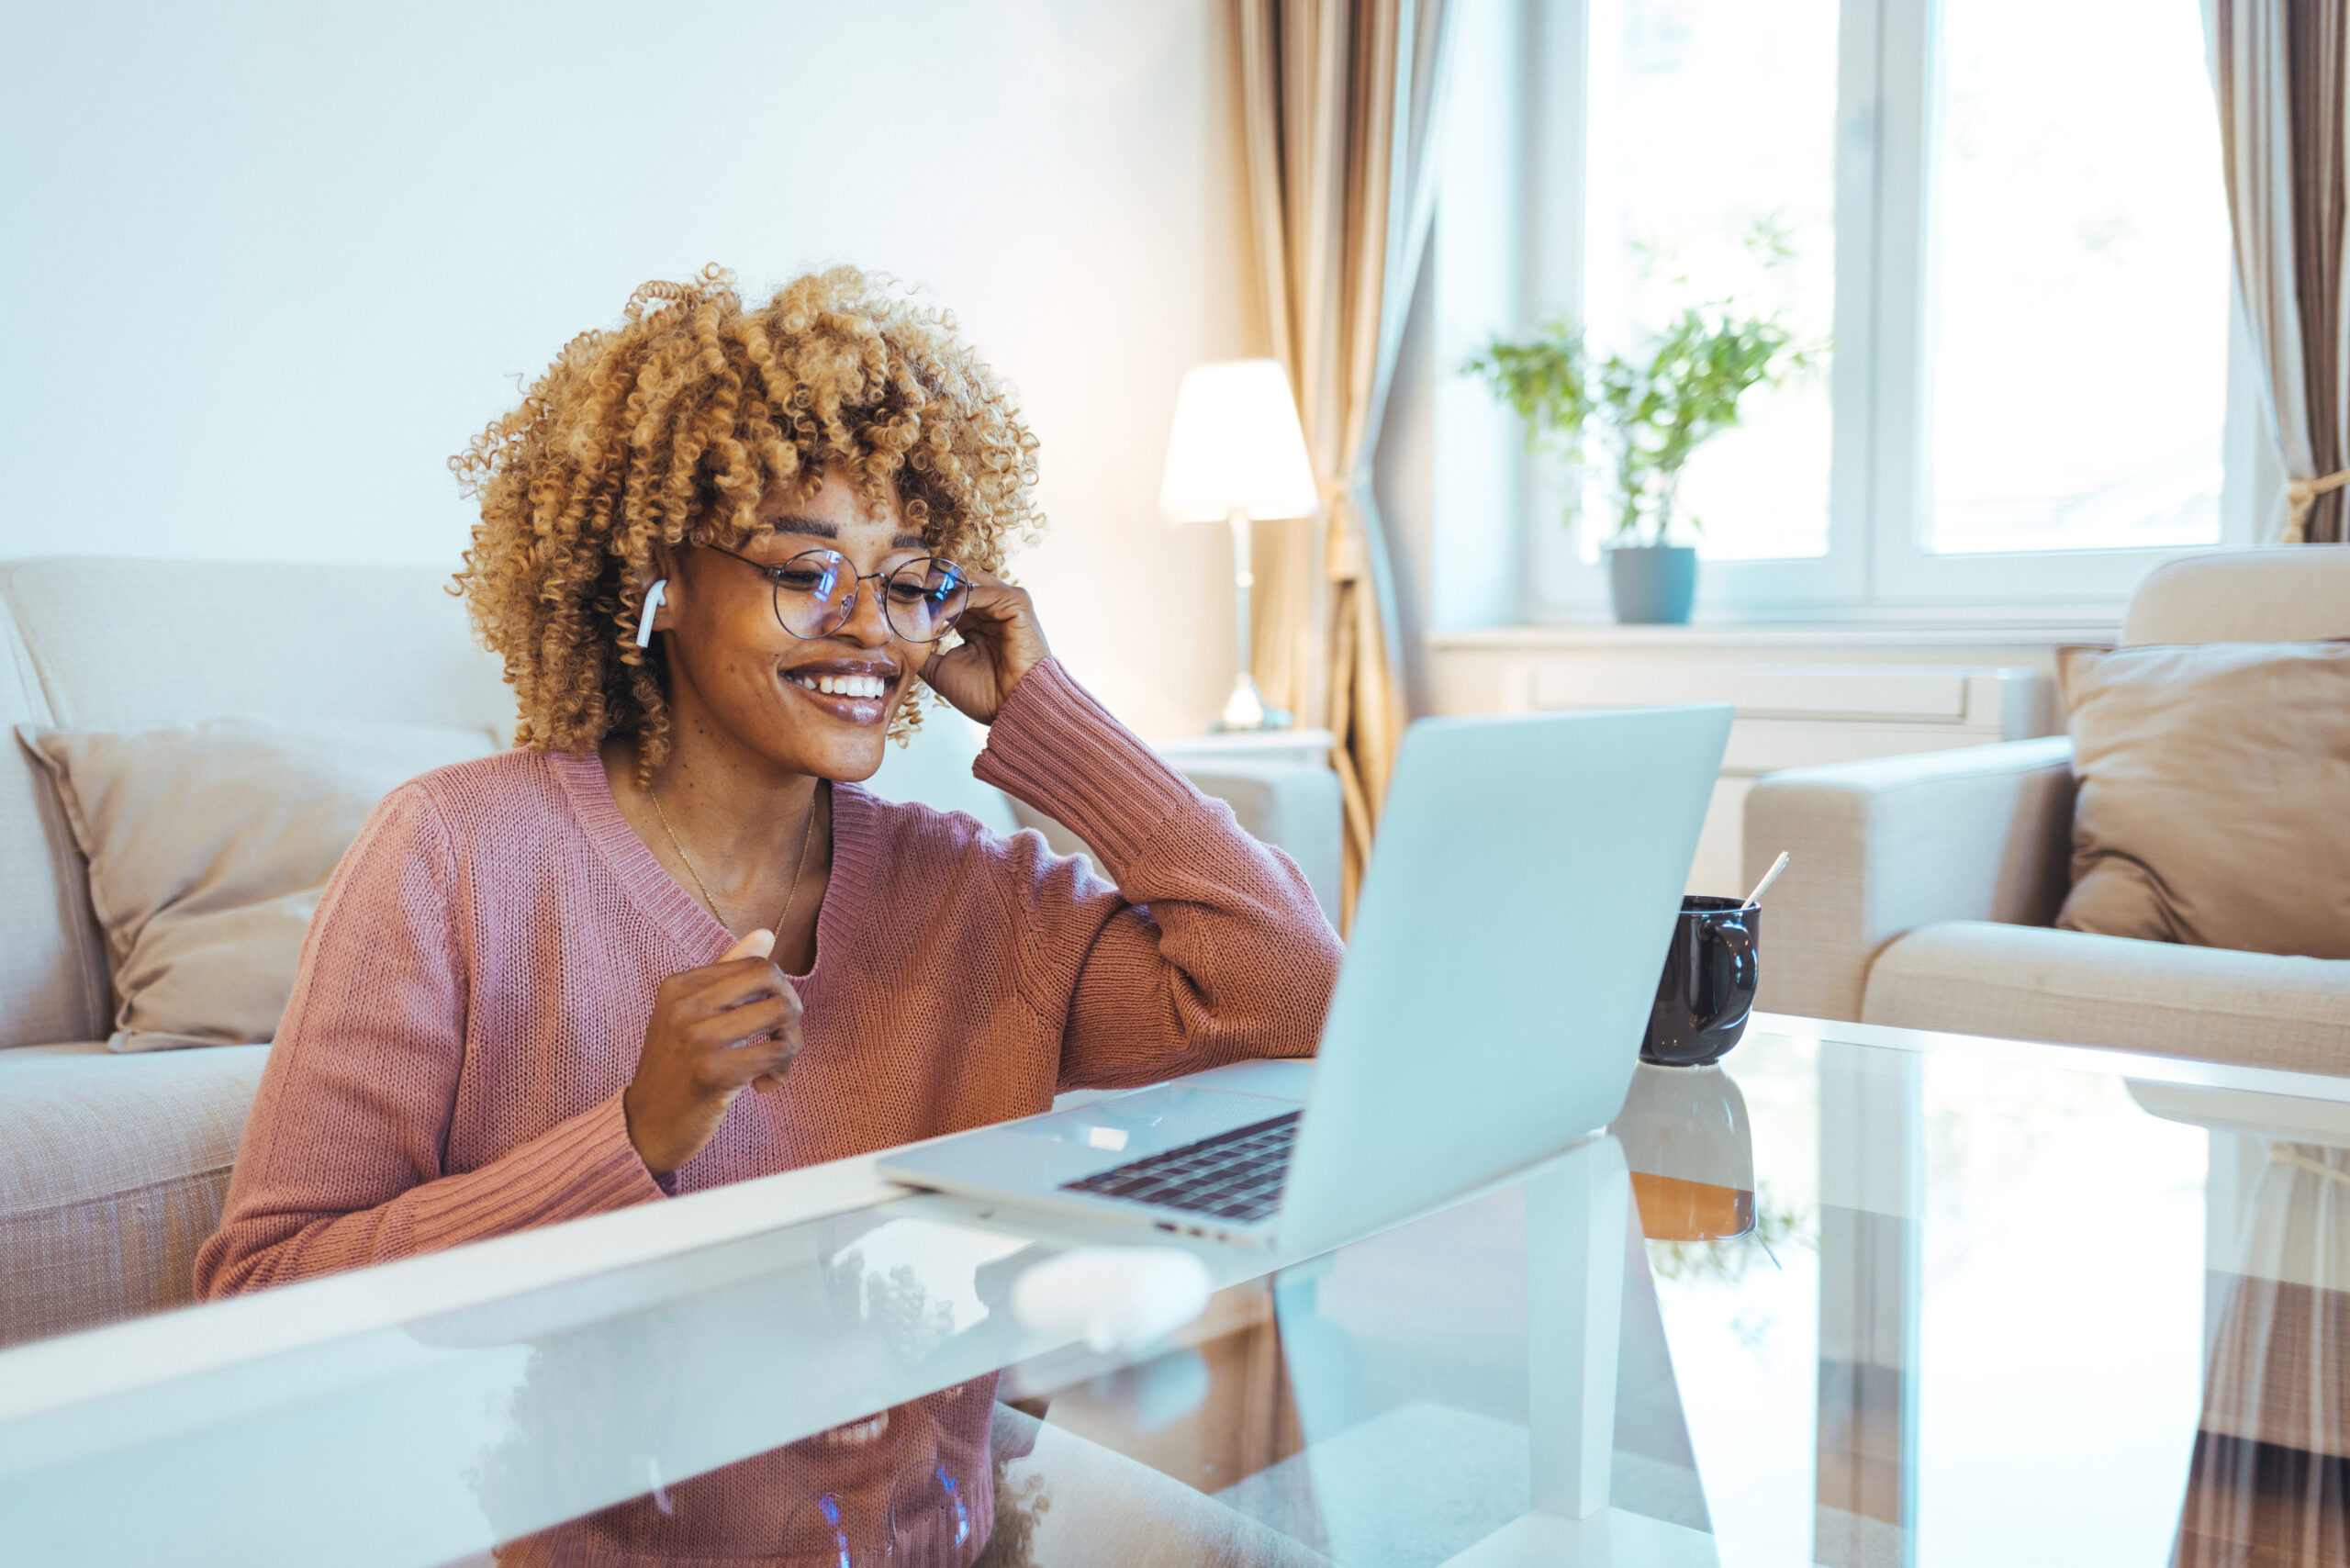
x=208, y=846
x=2212, y=779
x=122, y=644
x=2027, y=982
x=112, y=1170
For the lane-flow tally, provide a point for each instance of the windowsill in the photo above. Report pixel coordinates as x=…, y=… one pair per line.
x=1733, y=633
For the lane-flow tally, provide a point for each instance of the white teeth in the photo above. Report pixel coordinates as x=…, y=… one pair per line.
x=858, y=1432
x=842, y=685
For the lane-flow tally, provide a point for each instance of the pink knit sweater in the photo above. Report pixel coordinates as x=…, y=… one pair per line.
x=476, y=985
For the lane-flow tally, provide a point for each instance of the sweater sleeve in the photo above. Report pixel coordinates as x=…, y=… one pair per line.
x=1212, y=950
x=342, y=1162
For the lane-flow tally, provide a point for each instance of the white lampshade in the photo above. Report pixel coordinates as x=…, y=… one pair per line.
x=1237, y=446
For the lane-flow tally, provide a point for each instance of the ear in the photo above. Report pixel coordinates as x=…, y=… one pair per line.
x=656, y=597
x=661, y=575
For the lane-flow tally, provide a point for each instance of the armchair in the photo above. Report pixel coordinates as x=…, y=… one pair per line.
x=1922, y=888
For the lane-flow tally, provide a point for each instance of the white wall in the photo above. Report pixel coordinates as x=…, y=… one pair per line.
x=268, y=265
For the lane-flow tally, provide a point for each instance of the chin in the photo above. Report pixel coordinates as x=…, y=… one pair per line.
x=851, y=764
x=843, y=755
x=839, y=738
x=850, y=755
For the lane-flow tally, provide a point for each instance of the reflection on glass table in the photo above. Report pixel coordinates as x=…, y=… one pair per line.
x=1867, y=1296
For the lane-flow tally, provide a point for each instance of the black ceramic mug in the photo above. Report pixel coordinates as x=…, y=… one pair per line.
x=1709, y=984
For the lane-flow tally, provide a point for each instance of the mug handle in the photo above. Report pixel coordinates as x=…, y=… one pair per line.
x=1740, y=997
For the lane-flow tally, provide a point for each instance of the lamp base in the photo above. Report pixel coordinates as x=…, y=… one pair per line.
x=1246, y=710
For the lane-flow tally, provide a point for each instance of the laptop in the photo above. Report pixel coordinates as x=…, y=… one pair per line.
x=1506, y=947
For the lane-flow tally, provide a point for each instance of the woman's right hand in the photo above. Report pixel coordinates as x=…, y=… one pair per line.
x=696, y=1060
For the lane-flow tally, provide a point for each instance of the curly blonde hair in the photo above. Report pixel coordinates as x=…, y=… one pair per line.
x=672, y=427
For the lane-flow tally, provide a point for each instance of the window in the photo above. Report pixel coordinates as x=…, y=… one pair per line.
x=1698, y=189
x=2078, y=334
x=1999, y=223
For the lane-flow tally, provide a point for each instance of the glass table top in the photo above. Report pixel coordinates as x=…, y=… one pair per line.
x=1853, y=1296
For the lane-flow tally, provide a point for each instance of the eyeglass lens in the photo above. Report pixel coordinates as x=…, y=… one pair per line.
x=815, y=593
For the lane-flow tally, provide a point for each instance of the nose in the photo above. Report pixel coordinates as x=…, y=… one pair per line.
x=867, y=625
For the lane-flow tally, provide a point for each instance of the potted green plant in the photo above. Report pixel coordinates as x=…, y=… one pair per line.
x=1655, y=414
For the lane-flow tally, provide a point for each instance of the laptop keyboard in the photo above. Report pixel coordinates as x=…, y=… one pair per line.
x=1236, y=1175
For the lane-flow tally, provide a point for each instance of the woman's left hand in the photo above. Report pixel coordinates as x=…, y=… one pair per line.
x=1002, y=642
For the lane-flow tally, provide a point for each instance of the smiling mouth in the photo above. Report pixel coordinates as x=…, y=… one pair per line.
x=840, y=684
x=857, y=695
x=855, y=1434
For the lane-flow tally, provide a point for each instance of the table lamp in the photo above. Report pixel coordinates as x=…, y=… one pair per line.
x=1237, y=454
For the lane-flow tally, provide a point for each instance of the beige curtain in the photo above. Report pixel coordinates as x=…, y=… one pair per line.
x=2279, y=67
x=1339, y=99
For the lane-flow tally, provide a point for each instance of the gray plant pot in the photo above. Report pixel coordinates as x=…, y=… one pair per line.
x=1653, y=584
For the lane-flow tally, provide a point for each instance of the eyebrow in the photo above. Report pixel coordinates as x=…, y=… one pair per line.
x=817, y=528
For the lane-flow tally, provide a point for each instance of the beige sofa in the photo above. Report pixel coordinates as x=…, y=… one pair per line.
x=112, y=1167
x=1921, y=888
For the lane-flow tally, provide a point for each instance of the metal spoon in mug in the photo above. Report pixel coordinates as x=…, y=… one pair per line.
x=1768, y=877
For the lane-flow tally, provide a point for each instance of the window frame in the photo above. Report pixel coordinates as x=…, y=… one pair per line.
x=1875, y=567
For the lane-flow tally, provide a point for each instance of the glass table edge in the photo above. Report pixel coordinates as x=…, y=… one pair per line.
x=2196, y=1072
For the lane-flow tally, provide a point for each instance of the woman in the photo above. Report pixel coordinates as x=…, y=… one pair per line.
x=722, y=552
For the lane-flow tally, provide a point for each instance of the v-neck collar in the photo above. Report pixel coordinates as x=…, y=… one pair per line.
x=666, y=901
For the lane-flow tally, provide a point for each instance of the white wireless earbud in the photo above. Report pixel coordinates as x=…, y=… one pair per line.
x=653, y=597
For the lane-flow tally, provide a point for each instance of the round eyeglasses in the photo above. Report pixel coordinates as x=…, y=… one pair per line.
x=815, y=593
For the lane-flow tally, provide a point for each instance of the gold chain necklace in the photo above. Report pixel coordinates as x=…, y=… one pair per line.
x=807, y=833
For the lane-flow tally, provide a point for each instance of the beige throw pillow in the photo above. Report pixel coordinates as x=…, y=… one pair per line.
x=2214, y=802
x=208, y=846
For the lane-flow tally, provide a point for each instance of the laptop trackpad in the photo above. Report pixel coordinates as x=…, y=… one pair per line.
x=1150, y=1121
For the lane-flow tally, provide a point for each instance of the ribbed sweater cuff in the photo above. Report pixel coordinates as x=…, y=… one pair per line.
x=1064, y=754
x=583, y=1166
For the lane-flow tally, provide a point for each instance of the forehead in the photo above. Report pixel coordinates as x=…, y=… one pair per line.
x=837, y=514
